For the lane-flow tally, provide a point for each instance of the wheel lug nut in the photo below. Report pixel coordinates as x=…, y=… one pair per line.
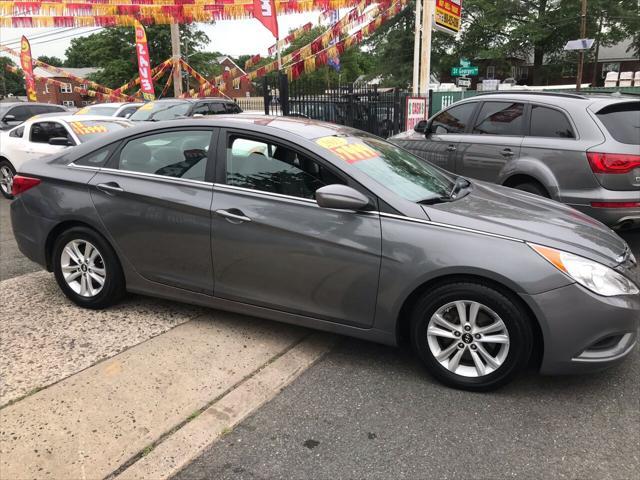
x=467, y=328
x=478, y=335
x=457, y=334
x=473, y=347
x=461, y=345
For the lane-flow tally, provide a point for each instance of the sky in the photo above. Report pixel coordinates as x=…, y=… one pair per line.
x=231, y=37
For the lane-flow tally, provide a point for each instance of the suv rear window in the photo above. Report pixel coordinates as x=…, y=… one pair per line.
x=622, y=121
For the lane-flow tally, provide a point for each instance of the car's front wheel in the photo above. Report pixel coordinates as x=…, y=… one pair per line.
x=87, y=269
x=471, y=336
x=7, y=172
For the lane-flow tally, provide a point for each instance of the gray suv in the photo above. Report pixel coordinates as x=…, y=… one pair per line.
x=14, y=113
x=582, y=150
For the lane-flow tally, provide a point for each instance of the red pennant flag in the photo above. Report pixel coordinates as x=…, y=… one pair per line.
x=265, y=11
x=27, y=67
x=144, y=64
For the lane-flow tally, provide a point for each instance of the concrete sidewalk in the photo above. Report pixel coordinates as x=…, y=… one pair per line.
x=99, y=419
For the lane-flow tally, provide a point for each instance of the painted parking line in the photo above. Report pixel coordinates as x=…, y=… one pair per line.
x=45, y=338
x=92, y=423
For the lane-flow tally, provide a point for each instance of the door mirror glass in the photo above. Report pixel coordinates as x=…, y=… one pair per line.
x=62, y=141
x=421, y=126
x=341, y=197
x=9, y=118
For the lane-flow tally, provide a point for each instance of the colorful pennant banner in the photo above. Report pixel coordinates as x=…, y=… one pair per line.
x=283, y=42
x=27, y=67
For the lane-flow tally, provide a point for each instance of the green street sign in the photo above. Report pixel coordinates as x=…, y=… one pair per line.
x=464, y=71
x=464, y=62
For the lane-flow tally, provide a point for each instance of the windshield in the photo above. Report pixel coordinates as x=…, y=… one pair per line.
x=4, y=109
x=392, y=167
x=97, y=110
x=87, y=130
x=161, y=111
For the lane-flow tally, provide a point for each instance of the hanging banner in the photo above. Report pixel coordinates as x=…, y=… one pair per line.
x=448, y=15
x=27, y=68
x=265, y=11
x=144, y=65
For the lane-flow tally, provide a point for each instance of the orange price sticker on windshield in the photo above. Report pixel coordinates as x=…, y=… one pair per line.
x=147, y=106
x=81, y=129
x=349, y=152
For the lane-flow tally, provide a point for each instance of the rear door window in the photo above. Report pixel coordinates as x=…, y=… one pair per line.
x=217, y=108
x=622, y=121
x=453, y=120
x=500, y=118
x=549, y=122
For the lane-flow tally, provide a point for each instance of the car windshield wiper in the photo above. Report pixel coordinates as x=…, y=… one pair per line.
x=458, y=185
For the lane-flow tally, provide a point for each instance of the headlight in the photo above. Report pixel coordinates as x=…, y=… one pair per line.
x=596, y=277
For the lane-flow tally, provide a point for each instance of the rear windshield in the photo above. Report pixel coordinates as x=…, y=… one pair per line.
x=87, y=130
x=155, y=111
x=622, y=121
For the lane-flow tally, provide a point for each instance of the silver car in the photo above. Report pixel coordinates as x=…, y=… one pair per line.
x=582, y=150
x=332, y=228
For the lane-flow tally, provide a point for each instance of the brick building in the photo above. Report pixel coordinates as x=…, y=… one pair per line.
x=63, y=94
x=246, y=89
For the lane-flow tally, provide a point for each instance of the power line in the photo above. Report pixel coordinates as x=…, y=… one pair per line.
x=44, y=34
x=49, y=40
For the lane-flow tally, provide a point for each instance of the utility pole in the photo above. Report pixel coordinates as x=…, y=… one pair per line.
x=416, y=51
x=425, y=63
x=175, y=55
x=583, y=34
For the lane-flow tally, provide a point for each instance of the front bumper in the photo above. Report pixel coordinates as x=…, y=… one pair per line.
x=583, y=332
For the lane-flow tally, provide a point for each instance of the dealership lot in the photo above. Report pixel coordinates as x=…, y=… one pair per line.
x=363, y=410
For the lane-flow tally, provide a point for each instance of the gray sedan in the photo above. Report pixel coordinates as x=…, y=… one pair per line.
x=331, y=228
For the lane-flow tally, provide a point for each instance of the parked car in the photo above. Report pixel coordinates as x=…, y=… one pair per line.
x=45, y=134
x=173, y=108
x=14, y=113
x=582, y=150
x=119, y=109
x=332, y=228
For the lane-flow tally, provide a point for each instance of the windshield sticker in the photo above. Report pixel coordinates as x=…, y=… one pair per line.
x=81, y=129
x=147, y=106
x=349, y=152
x=82, y=111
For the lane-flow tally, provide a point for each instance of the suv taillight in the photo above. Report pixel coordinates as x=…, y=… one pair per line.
x=22, y=184
x=612, y=162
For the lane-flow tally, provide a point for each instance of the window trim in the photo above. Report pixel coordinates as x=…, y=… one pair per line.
x=551, y=107
x=111, y=164
x=526, y=116
x=66, y=88
x=220, y=177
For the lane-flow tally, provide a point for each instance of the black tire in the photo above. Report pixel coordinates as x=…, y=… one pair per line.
x=5, y=165
x=113, y=288
x=513, y=316
x=533, y=187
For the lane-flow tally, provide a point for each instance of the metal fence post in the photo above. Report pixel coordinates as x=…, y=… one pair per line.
x=396, y=112
x=430, y=99
x=265, y=93
x=284, y=93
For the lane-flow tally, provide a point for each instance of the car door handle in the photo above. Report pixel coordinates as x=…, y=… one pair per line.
x=234, y=215
x=451, y=148
x=507, y=152
x=110, y=188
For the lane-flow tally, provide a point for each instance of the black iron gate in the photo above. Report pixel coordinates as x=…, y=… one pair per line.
x=380, y=111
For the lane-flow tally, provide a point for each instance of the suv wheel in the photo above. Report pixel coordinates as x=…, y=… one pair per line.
x=470, y=336
x=87, y=269
x=534, y=188
x=7, y=172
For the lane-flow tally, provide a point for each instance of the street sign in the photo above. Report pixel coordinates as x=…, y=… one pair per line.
x=464, y=82
x=465, y=62
x=447, y=15
x=464, y=71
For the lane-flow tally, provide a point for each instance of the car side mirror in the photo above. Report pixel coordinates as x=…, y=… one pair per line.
x=197, y=115
x=61, y=141
x=9, y=118
x=421, y=126
x=341, y=197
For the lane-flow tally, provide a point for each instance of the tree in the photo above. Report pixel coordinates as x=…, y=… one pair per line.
x=53, y=61
x=10, y=82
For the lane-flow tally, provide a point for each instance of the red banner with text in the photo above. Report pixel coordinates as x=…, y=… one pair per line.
x=144, y=65
x=27, y=67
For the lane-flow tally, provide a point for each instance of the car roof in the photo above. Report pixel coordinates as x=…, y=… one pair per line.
x=558, y=98
x=193, y=100
x=113, y=104
x=31, y=104
x=70, y=117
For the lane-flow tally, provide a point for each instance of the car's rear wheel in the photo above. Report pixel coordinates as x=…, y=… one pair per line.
x=87, y=269
x=532, y=187
x=7, y=172
x=471, y=336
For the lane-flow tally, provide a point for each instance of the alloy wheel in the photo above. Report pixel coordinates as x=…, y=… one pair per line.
x=6, y=179
x=83, y=268
x=468, y=338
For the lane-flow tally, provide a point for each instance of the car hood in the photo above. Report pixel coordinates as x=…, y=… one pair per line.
x=505, y=211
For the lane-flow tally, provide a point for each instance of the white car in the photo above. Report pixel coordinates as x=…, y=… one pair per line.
x=45, y=134
x=118, y=109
